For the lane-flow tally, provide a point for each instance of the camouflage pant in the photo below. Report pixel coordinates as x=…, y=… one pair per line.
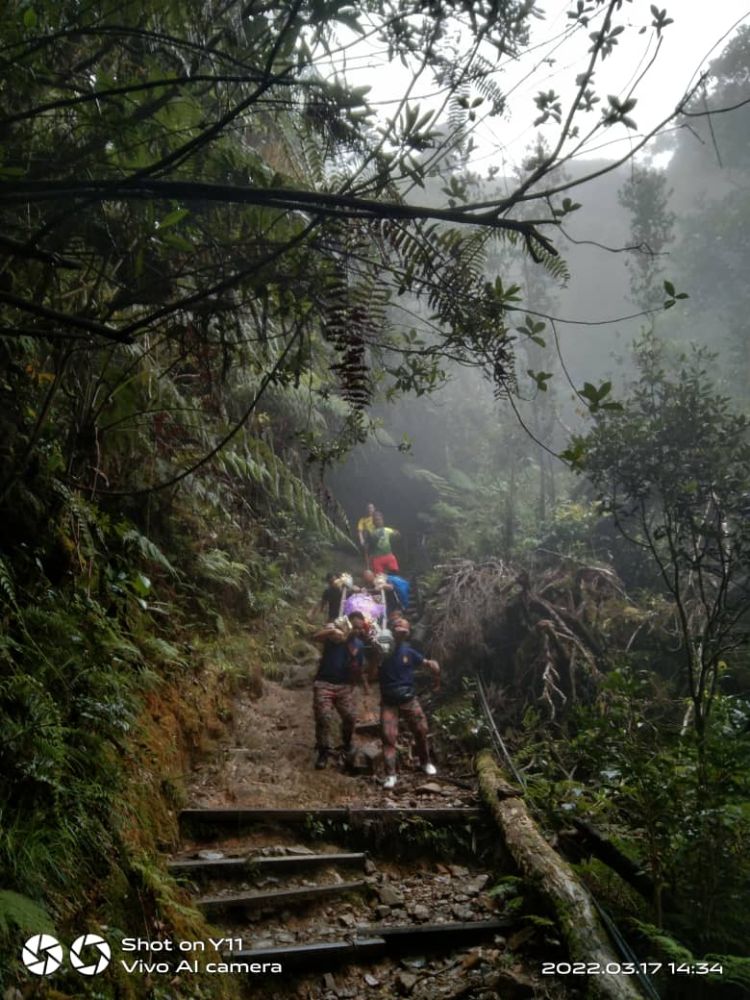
x=326, y=697
x=415, y=719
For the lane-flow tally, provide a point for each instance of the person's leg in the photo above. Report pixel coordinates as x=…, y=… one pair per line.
x=323, y=702
x=417, y=723
x=344, y=700
x=389, y=727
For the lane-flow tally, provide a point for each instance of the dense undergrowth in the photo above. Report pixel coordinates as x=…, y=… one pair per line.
x=127, y=624
x=584, y=686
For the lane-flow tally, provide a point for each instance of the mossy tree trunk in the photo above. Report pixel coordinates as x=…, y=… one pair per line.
x=556, y=881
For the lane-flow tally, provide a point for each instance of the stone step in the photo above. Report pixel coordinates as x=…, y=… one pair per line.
x=248, y=901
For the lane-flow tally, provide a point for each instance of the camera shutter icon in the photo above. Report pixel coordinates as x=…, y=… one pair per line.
x=90, y=954
x=42, y=954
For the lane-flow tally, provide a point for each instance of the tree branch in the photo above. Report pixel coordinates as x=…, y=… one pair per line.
x=80, y=322
x=323, y=203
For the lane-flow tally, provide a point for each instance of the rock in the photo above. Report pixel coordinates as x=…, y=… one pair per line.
x=389, y=896
x=405, y=982
x=298, y=849
x=382, y=911
x=414, y=963
x=420, y=912
x=346, y=919
x=370, y=867
x=210, y=855
x=477, y=884
x=370, y=980
x=458, y=871
x=432, y=788
x=285, y=937
x=330, y=983
x=463, y=912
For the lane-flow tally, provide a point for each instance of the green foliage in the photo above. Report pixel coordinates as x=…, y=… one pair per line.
x=671, y=468
x=677, y=807
x=216, y=567
x=459, y=728
x=735, y=970
x=21, y=912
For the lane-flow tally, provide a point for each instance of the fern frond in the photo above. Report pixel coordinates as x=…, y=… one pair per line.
x=21, y=912
x=139, y=544
x=217, y=567
x=7, y=584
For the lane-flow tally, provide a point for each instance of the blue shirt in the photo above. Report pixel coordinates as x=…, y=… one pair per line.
x=397, y=670
x=401, y=588
x=340, y=660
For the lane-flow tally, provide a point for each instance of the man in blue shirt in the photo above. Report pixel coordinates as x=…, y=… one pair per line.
x=398, y=699
x=340, y=668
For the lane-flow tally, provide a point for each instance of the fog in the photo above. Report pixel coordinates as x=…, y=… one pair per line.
x=705, y=166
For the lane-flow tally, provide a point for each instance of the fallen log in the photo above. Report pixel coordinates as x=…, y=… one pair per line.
x=556, y=881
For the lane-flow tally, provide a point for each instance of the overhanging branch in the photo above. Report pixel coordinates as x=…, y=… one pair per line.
x=321, y=202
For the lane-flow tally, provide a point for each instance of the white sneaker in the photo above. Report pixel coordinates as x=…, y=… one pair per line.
x=429, y=769
x=390, y=781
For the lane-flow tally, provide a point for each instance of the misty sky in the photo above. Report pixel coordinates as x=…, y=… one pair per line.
x=557, y=55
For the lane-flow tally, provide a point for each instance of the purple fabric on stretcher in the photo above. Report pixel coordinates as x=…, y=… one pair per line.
x=365, y=604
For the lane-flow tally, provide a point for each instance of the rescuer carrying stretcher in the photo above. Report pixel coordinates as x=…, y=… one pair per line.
x=369, y=636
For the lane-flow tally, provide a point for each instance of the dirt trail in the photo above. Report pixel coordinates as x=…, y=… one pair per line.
x=418, y=881
x=270, y=762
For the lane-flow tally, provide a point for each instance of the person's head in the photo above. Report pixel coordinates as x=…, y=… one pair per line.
x=357, y=620
x=377, y=519
x=331, y=579
x=370, y=509
x=401, y=629
x=368, y=577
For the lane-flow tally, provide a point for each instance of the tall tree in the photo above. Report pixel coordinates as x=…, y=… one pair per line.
x=671, y=468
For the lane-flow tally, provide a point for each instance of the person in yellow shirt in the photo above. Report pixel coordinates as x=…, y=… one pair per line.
x=365, y=525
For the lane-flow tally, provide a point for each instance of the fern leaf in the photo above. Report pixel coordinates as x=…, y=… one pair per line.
x=21, y=912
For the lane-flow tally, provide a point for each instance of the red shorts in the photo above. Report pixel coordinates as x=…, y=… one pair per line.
x=384, y=564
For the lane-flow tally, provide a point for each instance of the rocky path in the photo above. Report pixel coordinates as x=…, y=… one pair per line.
x=354, y=891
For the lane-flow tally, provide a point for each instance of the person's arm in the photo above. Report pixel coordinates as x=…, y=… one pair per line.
x=328, y=631
x=434, y=668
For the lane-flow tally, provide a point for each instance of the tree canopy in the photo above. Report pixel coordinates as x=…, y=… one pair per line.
x=200, y=183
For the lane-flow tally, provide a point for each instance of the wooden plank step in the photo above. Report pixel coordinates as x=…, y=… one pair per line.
x=239, y=817
x=276, y=897
x=262, y=865
x=407, y=937
x=379, y=941
x=318, y=955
